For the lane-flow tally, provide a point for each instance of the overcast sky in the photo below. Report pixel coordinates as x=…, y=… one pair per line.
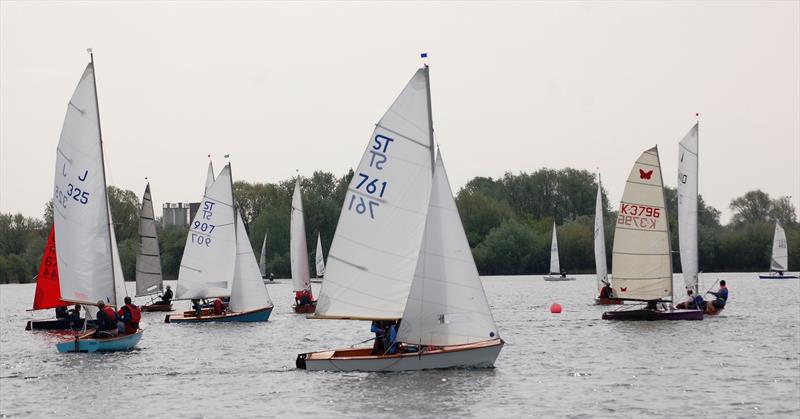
x=515, y=87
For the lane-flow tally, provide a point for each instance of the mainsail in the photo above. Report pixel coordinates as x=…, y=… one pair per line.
x=47, y=290
x=687, y=207
x=555, y=267
x=599, y=239
x=780, y=251
x=446, y=304
x=208, y=257
x=319, y=258
x=374, y=252
x=148, y=259
x=641, y=258
x=298, y=249
x=209, y=176
x=262, y=262
x=248, y=291
x=80, y=204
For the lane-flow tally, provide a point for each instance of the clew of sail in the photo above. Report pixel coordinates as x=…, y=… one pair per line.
x=687, y=207
x=641, y=257
x=148, y=258
x=248, y=291
x=298, y=249
x=374, y=252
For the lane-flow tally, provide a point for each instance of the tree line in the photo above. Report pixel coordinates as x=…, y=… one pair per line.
x=508, y=222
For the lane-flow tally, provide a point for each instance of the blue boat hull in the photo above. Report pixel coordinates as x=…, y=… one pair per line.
x=259, y=315
x=789, y=276
x=90, y=344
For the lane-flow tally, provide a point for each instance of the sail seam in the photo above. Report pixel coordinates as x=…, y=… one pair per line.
x=402, y=135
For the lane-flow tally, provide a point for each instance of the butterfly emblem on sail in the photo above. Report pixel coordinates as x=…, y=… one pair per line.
x=645, y=175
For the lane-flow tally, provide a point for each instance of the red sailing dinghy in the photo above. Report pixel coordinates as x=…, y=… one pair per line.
x=642, y=258
x=298, y=252
x=400, y=252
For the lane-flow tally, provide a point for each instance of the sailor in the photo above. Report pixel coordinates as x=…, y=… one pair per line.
x=380, y=333
x=606, y=291
x=131, y=315
x=219, y=307
x=721, y=294
x=106, y=320
x=167, y=297
x=61, y=312
x=298, y=297
x=391, y=339
x=75, y=313
x=198, y=309
x=563, y=273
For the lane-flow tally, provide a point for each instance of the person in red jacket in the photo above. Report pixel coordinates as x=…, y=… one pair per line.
x=219, y=307
x=130, y=315
x=106, y=320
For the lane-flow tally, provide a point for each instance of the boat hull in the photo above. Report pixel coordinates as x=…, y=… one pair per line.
x=258, y=315
x=768, y=276
x=58, y=324
x=653, y=315
x=308, y=308
x=157, y=307
x=608, y=301
x=474, y=355
x=87, y=343
x=558, y=278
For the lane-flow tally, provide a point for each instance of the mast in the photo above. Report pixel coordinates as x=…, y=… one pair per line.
x=103, y=164
x=697, y=210
x=430, y=112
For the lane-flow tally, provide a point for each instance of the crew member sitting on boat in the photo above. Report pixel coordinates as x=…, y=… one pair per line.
x=61, y=313
x=563, y=273
x=380, y=333
x=219, y=307
x=106, y=321
x=606, y=291
x=692, y=302
x=391, y=339
x=721, y=294
x=198, y=308
x=75, y=313
x=302, y=298
x=131, y=315
x=166, y=299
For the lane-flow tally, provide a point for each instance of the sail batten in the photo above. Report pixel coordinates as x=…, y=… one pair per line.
x=148, y=258
x=687, y=207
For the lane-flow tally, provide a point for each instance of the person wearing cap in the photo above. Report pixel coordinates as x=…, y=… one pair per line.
x=106, y=320
x=167, y=297
x=606, y=291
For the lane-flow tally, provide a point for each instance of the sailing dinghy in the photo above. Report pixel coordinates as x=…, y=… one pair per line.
x=149, y=280
x=218, y=261
x=641, y=257
x=779, y=262
x=400, y=252
x=262, y=261
x=298, y=252
x=556, y=274
x=600, y=252
x=89, y=269
x=319, y=259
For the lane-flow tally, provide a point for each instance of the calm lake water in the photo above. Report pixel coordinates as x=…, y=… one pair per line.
x=743, y=363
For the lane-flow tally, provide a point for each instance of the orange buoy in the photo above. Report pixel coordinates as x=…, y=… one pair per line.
x=555, y=308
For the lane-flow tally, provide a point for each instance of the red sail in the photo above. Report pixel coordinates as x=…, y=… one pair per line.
x=48, y=291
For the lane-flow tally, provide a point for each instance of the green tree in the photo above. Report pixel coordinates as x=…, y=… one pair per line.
x=512, y=249
x=480, y=214
x=125, y=212
x=751, y=207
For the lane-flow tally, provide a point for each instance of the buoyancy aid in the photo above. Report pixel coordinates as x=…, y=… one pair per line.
x=217, y=306
x=109, y=322
x=136, y=315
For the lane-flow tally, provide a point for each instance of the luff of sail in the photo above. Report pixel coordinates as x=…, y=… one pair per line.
x=446, y=304
x=298, y=248
x=780, y=251
x=262, y=262
x=208, y=257
x=641, y=257
x=555, y=266
x=48, y=293
x=248, y=291
x=319, y=258
x=80, y=203
x=148, y=258
x=374, y=252
x=599, y=239
x=687, y=207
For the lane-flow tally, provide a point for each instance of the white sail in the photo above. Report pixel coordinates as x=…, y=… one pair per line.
x=298, y=249
x=209, y=176
x=80, y=203
x=148, y=258
x=262, y=262
x=555, y=267
x=780, y=251
x=120, y=292
x=687, y=207
x=208, y=257
x=319, y=258
x=374, y=252
x=599, y=239
x=641, y=257
x=248, y=291
x=446, y=304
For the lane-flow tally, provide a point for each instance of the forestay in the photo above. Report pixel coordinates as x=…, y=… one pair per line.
x=208, y=257
x=80, y=204
x=248, y=291
x=446, y=304
x=555, y=266
x=320, y=258
x=298, y=248
x=374, y=252
x=641, y=257
x=599, y=239
x=148, y=259
x=262, y=262
x=687, y=207
x=780, y=251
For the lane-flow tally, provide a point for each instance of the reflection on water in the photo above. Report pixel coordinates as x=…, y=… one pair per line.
x=744, y=362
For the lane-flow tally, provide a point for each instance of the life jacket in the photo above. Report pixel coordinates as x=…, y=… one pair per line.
x=298, y=295
x=136, y=314
x=217, y=306
x=111, y=318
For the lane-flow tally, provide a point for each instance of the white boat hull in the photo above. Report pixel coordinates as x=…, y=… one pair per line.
x=475, y=355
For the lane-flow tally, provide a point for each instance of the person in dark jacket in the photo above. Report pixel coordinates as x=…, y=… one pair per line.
x=61, y=313
x=166, y=299
x=106, y=320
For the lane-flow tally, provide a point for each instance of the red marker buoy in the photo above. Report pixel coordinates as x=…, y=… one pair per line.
x=555, y=308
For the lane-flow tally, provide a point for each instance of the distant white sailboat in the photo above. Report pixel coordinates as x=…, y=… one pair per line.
x=149, y=280
x=688, y=162
x=779, y=262
x=600, y=251
x=298, y=252
x=319, y=259
x=556, y=273
x=262, y=261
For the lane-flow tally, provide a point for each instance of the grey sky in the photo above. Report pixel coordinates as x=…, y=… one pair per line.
x=516, y=86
